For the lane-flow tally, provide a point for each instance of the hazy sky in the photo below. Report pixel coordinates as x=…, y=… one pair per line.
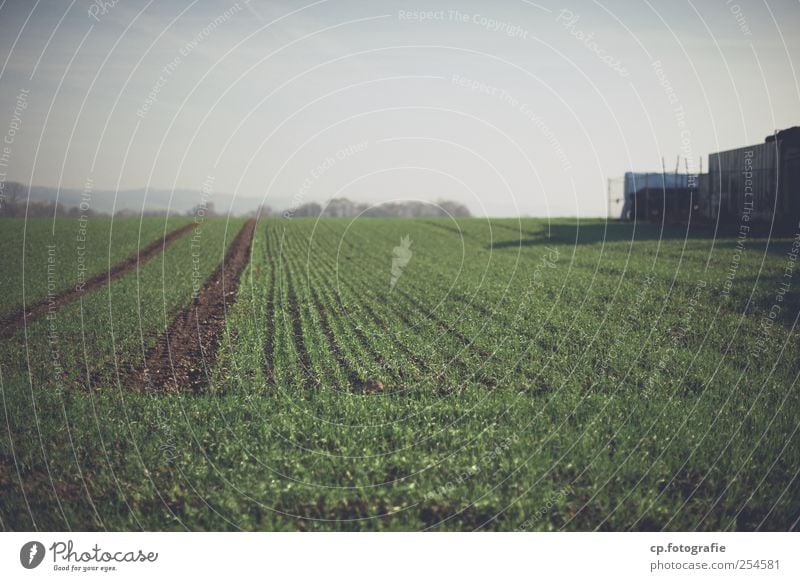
x=512, y=107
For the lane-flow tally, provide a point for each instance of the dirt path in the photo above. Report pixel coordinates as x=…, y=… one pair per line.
x=184, y=355
x=15, y=321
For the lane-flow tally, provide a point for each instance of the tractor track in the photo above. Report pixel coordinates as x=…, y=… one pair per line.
x=19, y=319
x=183, y=357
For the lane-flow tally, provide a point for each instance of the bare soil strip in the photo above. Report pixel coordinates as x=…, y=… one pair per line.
x=183, y=356
x=15, y=321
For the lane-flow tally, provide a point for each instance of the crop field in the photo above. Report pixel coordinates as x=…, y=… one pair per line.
x=76, y=252
x=402, y=374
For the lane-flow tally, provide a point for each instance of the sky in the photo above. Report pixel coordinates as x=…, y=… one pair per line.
x=514, y=108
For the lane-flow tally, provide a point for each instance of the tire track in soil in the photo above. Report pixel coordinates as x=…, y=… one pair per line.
x=180, y=359
x=17, y=320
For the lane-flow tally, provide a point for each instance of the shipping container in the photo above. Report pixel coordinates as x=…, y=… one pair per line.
x=757, y=184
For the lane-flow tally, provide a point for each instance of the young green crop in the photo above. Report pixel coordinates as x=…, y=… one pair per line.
x=61, y=253
x=518, y=375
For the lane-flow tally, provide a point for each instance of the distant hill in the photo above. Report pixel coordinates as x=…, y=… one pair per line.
x=128, y=201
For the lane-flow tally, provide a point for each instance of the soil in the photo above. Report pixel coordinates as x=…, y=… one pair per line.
x=184, y=355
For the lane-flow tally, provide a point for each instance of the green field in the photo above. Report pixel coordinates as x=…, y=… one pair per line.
x=519, y=375
x=76, y=251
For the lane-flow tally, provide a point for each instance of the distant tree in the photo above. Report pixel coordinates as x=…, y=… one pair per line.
x=10, y=196
x=263, y=211
x=342, y=207
x=202, y=210
x=454, y=208
x=311, y=209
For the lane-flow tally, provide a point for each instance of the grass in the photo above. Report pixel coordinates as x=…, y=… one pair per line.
x=77, y=250
x=522, y=375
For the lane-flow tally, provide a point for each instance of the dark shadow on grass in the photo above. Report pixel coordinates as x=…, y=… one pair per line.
x=777, y=246
x=764, y=298
x=597, y=232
